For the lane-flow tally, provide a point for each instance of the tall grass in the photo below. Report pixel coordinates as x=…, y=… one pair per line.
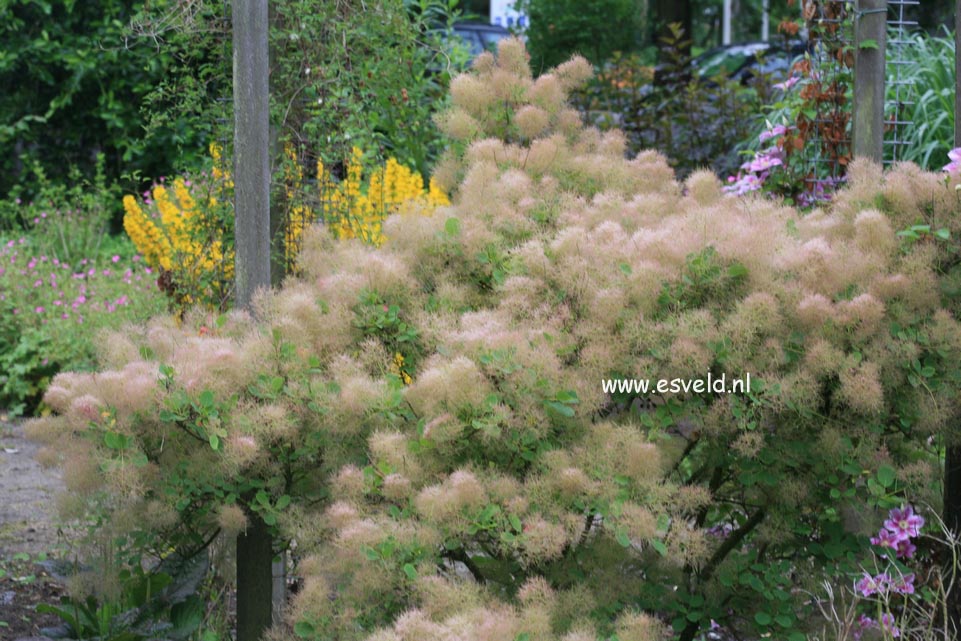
x=930, y=65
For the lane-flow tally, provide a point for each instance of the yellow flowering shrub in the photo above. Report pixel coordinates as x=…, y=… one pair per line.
x=356, y=208
x=186, y=231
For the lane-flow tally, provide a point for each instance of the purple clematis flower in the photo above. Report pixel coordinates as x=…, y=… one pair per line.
x=904, y=522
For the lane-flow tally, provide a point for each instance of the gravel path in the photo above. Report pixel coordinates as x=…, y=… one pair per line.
x=27, y=491
x=28, y=534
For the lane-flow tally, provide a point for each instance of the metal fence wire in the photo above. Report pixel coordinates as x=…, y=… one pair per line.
x=827, y=131
x=901, y=90
x=831, y=35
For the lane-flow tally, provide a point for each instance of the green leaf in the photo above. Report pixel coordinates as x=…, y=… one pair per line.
x=282, y=502
x=304, y=630
x=214, y=441
x=560, y=408
x=943, y=233
x=886, y=476
x=516, y=523
x=784, y=620
x=452, y=227
x=206, y=398
x=737, y=270
x=763, y=618
x=868, y=43
x=624, y=267
x=623, y=539
x=186, y=617
x=410, y=571
x=659, y=545
x=116, y=441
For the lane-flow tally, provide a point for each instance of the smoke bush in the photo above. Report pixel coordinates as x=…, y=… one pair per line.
x=502, y=494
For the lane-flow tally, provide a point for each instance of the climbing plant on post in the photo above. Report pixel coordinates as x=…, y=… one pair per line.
x=252, y=228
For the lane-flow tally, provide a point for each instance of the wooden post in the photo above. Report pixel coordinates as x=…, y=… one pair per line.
x=252, y=267
x=725, y=23
x=251, y=149
x=869, y=75
x=951, y=511
x=957, y=74
x=765, y=20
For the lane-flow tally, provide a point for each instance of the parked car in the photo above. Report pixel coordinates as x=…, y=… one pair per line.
x=743, y=62
x=480, y=37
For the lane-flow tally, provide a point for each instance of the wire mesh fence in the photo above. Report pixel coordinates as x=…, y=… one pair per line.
x=826, y=126
x=901, y=93
x=830, y=26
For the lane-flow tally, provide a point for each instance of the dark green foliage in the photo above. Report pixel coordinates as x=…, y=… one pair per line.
x=696, y=122
x=595, y=30
x=361, y=74
x=75, y=82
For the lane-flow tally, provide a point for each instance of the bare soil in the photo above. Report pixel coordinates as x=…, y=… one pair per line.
x=28, y=535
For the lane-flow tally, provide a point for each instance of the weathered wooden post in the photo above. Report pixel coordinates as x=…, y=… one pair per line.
x=252, y=267
x=952, y=458
x=869, y=74
x=251, y=149
x=957, y=74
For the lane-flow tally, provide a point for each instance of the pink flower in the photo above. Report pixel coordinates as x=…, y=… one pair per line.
x=906, y=549
x=868, y=585
x=904, y=522
x=39, y=310
x=864, y=623
x=765, y=161
x=115, y=259
x=787, y=84
x=905, y=585
x=775, y=131
x=886, y=539
x=743, y=185
x=954, y=166
x=887, y=622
